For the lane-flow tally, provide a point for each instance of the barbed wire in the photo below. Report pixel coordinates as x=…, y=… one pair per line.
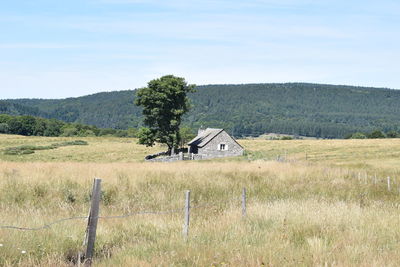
x=46, y=226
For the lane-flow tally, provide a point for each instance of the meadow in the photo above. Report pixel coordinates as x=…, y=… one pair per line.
x=310, y=203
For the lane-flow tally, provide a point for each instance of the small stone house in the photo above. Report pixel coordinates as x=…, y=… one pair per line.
x=214, y=143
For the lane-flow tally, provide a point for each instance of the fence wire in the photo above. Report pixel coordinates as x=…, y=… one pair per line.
x=46, y=226
x=49, y=225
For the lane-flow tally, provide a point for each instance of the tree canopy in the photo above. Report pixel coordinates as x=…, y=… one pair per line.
x=323, y=111
x=164, y=101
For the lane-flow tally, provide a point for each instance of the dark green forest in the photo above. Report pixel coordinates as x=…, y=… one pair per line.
x=324, y=111
x=36, y=126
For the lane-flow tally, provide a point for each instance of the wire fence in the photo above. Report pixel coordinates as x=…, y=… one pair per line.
x=362, y=178
x=144, y=212
x=45, y=226
x=92, y=219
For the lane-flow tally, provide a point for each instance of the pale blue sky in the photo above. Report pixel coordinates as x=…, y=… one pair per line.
x=55, y=49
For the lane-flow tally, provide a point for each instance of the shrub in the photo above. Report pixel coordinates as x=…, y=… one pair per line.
x=376, y=134
x=69, y=131
x=392, y=134
x=107, y=131
x=4, y=128
x=358, y=136
x=88, y=133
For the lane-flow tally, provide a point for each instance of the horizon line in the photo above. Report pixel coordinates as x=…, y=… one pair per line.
x=200, y=85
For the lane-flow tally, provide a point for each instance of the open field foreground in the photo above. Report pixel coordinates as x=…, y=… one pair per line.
x=323, y=203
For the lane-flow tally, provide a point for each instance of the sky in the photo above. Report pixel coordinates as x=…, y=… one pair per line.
x=58, y=49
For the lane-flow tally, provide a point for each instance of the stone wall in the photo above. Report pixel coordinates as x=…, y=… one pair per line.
x=176, y=157
x=165, y=159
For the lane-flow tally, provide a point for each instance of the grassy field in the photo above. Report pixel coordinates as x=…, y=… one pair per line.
x=323, y=203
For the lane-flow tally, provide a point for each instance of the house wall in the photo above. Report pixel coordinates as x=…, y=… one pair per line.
x=210, y=150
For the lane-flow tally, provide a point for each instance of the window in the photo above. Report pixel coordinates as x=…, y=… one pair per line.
x=222, y=147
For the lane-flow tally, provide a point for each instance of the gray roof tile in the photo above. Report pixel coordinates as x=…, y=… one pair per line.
x=204, y=137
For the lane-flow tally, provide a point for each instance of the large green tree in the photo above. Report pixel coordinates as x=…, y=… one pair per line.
x=164, y=101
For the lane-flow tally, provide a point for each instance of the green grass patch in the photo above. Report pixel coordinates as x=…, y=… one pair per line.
x=29, y=149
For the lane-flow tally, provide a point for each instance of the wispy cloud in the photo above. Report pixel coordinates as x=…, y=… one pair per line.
x=87, y=46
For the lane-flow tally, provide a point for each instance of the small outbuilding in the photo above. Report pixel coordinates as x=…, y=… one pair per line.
x=214, y=143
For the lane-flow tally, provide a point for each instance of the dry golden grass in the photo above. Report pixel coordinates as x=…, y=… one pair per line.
x=369, y=154
x=106, y=149
x=326, y=210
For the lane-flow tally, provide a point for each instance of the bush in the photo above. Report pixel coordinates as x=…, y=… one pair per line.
x=121, y=133
x=376, y=134
x=69, y=131
x=4, y=128
x=392, y=134
x=358, y=136
x=107, y=131
x=88, y=133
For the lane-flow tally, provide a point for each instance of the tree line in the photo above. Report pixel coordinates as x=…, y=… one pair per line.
x=377, y=134
x=317, y=110
x=36, y=126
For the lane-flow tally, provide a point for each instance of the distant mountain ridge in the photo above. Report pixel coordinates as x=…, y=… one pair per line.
x=328, y=111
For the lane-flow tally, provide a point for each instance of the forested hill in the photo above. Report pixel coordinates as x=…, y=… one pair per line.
x=328, y=111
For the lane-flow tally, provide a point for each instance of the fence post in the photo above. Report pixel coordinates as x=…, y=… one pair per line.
x=388, y=183
x=244, y=202
x=187, y=215
x=92, y=221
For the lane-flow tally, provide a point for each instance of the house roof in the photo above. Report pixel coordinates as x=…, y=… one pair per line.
x=205, y=136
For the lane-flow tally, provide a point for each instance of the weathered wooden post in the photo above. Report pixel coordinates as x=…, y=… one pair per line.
x=388, y=183
x=244, y=202
x=187, y=216
x=92, y=221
